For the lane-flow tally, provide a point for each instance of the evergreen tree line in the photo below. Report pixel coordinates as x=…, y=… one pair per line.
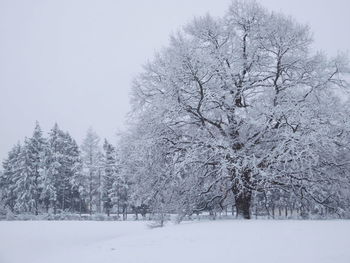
x=53, y=174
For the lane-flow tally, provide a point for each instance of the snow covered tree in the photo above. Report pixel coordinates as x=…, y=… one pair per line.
x=35, y=150
x=110, y=176
x=52, y=171
x=238, y=106
x=72, y=168
x=26, y=179
x=7, y=184
x=25, y=185
x=146, y=173
x=92, y=172
x=62, y=165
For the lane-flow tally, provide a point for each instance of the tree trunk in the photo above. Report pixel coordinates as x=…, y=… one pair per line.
x=243, y=201
x=99, y=208
x=63, y=199
x=286, y=211
x=36, y=207
x=118, y=208
x=243, y=196
x=54, y=208
x=125, y=212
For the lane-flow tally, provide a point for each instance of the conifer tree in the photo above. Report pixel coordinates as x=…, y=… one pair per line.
x=91, y=157
x=24, y=181
x=7, y=184
x=109, y=176
x=54, y=170
x=73, y=168
x=35, y=154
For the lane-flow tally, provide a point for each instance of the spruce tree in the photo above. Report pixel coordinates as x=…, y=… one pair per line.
x=92, y=157
x=34, y=148
x=109, y=176
x=7, y=183
x=52, y=174
x=25, y=186
x=72, y=169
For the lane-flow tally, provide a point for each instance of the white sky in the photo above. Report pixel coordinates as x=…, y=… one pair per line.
x=72, y=61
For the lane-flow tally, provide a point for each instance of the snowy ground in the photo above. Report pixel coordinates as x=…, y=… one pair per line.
x=215, y=241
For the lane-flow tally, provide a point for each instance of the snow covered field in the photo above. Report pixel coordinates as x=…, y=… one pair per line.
x=214, y=241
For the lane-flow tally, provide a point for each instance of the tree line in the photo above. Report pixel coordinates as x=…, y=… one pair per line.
x=53, y=174
x=238, y=114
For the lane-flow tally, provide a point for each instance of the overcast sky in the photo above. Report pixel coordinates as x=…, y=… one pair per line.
x=72, y=61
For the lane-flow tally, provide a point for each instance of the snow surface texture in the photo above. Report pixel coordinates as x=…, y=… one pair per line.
x=215, y=241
